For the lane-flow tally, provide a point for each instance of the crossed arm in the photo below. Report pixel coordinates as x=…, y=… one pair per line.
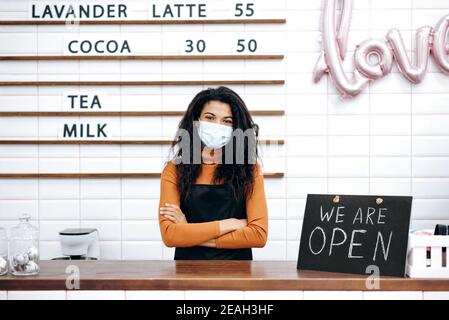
x=173, y=213
x=228, y=233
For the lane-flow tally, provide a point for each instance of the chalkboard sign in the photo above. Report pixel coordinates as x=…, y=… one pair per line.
x=349, y=233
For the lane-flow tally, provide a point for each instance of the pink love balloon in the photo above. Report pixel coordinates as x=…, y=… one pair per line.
x=343, y=26
x=384, y=56
x=440, y=47
x=334, y=48
x=414, y=72
x=334, y=44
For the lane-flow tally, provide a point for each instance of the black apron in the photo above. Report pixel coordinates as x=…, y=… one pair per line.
x=210, y=202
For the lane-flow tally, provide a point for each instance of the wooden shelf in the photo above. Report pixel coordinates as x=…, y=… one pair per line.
x=110, y=142
x=141, y=57
x=98, y=175
x=139, y=22
x=118, y=113
x=141, y=83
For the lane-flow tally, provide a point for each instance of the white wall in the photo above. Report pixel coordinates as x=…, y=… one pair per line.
x=393, y=139
x=222, y=295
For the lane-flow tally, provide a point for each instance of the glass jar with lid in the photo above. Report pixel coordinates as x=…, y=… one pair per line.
x=3, y=252
x=24, y=248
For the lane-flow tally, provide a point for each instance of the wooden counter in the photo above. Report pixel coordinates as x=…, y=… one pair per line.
x=205, y=275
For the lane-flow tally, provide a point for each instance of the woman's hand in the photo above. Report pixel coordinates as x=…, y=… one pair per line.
x=232, y=224
x=241, y=223
x=209, y=244
x=227, y=225
x=173, y=213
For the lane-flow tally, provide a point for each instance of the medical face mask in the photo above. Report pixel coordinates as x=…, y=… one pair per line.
x=214, y=135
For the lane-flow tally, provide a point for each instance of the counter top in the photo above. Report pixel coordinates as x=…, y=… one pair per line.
x=204, y=275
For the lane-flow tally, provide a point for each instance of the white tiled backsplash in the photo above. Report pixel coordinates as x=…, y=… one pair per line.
x=393, y=139
x=222, y=295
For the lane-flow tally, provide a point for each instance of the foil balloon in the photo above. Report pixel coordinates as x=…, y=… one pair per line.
x=365, y=51
x=334, y=42
x=440, y=47
x=343, y=27
x=412, y=72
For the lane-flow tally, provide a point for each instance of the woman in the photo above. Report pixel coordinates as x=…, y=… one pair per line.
x=214, y=208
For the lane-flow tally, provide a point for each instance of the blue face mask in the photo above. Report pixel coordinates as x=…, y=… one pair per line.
x=214, y=135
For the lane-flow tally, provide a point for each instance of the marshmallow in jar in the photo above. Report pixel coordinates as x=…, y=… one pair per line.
x=24, y=252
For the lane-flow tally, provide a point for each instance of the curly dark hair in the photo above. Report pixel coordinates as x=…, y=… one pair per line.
x=239, y=175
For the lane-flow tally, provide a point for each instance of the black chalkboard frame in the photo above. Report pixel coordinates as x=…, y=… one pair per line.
x=400, y=222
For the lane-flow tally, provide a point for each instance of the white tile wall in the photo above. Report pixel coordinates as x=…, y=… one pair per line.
x=436, y=295
x=95, y=295
x=392, y=295
x=214, y=295
x=221, y=295
x=33, y=295
x=333, y=295
x=155, y=295
x=392, y=139
x=273, y=295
